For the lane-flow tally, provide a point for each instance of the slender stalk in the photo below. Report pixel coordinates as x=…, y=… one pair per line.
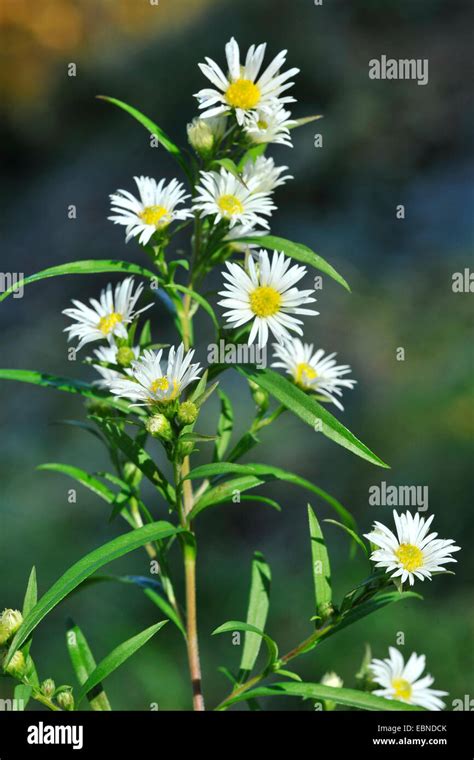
x=191, y=623
x=299, y=649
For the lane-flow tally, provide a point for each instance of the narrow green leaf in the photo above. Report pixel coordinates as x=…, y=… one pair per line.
x=224, y=426
x=230, y=166
x=82, y=426
x=310, y=411
x=84, y=664
x=88, y=266
x=116, y=658
x=321, y=567
x=31, y=595
x=252, y=154
x=352, y=534
x=21, y=695
x=296, y=251
x=66, y=384
x=90, y=482
x=257, y=612
x=263, y=500
x=199, y=299
x=237, y=625
x=145, y=335
x=257, y=474
x=83, y=569
x=361, y=610
x=243, y=445
x=348, y=697
x=153, y=128
x=136, y=454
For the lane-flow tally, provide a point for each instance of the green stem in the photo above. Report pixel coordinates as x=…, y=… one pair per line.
x=299, y=649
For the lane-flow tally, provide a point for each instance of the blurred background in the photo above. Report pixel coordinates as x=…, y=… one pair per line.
x=384, y=143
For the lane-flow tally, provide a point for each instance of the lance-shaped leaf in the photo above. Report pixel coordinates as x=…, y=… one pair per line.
x=21, y=695
x=152, y=589
x=116, y=658
x=88, y=266
x=199, y=300
x=357, y=539
x=118, y=500
x=254, y=475
x=136, y=454
x=224, y=426
x=321, y=567
x=237, y=625
x=153, y=128
x=84, y=664
x=67, y=384
x=310, y=411
x=296, y=251
x=83, y=569
x=31, y=594
x=257, y=612
x=348, y=697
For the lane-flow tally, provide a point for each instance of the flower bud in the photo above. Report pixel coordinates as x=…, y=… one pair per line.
x=125, y=356
x=187, y=413
x=48, y=687
x=65, y=700
x=200, y=136
x=259, y=396
x=11, y=619
x=4, y=634
x=99, y=408
x=16, y=666
x=159, y=427
x=332, y=679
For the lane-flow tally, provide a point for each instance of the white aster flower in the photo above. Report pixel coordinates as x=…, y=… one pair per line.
x=150, y=383
x=154, y=210
x=412, y=553
x=224, y=196
x=109, y=354
x=269, y=125
x=265, y=293
x=106, y=317
x=402, y=681
x=262, y=176
x=313, y=371
x=241, y=89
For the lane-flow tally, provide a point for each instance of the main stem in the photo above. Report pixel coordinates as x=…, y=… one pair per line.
x=191, y=625
x=192, y=642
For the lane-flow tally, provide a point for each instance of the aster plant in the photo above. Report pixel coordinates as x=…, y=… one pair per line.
x=145, y=390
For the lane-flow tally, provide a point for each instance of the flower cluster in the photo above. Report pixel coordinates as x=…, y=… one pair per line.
x=245, y=110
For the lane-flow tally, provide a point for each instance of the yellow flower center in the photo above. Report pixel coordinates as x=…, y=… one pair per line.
x=158, y=216
x=262, y=124
x=402, y=688
x=304, y=373
x=163, y=384
x=107, y=324
x=230, y=205
x=265, y=301
x=410, y=556
x=243, y=93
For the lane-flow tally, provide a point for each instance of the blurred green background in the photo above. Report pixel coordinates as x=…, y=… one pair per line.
x=384, y=143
